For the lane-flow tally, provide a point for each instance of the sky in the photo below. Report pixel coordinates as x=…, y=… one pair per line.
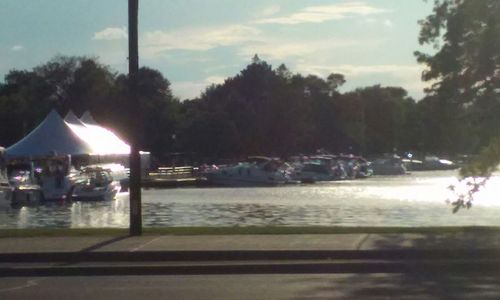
x=195, y=43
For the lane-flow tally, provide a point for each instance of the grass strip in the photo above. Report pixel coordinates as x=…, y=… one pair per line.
x=37, y=232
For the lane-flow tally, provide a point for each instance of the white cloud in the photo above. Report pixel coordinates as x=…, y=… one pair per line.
x=193, y=89
x=370, y=20
x=388, y=23
x=111, y=33
x=270, y=10
x=406, y=76
x=319, y=14
x=278, y=49
x=197, y=39
x=17, y=48
x=358, y=70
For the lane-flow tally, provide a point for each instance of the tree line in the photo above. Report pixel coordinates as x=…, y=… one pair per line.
x=274, y=111
x=260, y=110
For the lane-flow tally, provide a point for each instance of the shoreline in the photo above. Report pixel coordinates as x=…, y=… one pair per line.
x=250, y=230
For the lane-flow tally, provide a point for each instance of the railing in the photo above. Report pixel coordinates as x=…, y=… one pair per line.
x=174, y=172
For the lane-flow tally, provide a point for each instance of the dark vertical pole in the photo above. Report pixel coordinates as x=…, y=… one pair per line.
x=135, y=158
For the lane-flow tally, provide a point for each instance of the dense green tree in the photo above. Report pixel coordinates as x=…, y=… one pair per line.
x=464, y=70
x=260, y=110
x=384, y=119
x=25, y=99
x=155, y=116
x=351, y=121
x=466, y=75
x=80, y=84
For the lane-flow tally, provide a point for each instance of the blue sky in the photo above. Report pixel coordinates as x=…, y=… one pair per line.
x=198, y=42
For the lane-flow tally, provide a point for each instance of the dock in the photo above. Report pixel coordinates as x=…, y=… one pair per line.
x=171, y=177
x=163, y=183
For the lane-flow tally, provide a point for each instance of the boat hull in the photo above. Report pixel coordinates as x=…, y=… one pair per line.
x=240, y=182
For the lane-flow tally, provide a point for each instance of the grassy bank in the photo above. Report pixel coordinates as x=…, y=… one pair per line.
x=4, y=233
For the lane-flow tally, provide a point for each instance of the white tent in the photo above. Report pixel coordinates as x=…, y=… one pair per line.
x=103, y=140
x=88, y=119
x=52, y=137
x=55, y=136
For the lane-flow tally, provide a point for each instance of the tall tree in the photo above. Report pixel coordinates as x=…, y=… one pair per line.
x=465, y=69
x=157, y=105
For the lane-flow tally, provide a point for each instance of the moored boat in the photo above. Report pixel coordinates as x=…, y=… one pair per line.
x=388, y=165
x=5, y=188
x=261, y=172
x=94, y=184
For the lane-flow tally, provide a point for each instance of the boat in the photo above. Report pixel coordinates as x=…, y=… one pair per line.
x=22, y=188
x=5, y=194
x=255, y=172
x=434, y=163
x=313, y=171
x=26, y=195
x=388, y=165
x=120, y=174
x=355, y=166
x=321, y=168
x=5, y=188
x=94, y=184
x=429, y=163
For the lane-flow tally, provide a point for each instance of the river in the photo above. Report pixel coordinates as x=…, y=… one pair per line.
x=418, y=199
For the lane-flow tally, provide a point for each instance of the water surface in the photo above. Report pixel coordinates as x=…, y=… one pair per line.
x=413, y=200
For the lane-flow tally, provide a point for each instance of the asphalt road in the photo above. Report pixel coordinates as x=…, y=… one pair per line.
x=337, y=286
x=463, y=266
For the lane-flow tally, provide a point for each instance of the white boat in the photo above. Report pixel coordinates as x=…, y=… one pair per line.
x=56, y=187
x=119, y=173
x=5, y=190
x=21, y=190
x=94, y=184
x=388, y=165
x=261, y=172
x=320, y=168
x=49, y=178
x=355, y=166
x=433, y=163
x=26, y=195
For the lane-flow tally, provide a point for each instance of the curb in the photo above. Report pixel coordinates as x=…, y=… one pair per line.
x=250, y=255
x=470, y=267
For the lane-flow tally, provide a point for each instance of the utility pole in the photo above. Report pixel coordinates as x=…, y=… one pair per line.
x=135, y=158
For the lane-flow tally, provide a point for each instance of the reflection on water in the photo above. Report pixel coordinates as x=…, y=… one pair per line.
x=414, y=200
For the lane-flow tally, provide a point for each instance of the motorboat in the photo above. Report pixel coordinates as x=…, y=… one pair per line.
x=413, y=164
x=26, y=195
x=433, y=163
x=320, y=168
x=388, y=165
x=120, y=174
x=429, y=163
x=5, y=190
x=255, y=172
x=21, y=190
x=355, y=166
x=312, y=171
x=94, y=184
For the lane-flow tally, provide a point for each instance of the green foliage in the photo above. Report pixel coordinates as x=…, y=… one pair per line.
x=80, y=84
x=485, y=163
x=260, y=110
x=154, y=112
x=383, y=118
x=464, y=100
x=464, y=71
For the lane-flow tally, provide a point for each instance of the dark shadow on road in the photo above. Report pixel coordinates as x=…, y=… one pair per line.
x=442, y=284
x=105, y=243
x=461, y=240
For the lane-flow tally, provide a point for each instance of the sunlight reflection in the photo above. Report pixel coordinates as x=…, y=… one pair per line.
x=415, y=200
